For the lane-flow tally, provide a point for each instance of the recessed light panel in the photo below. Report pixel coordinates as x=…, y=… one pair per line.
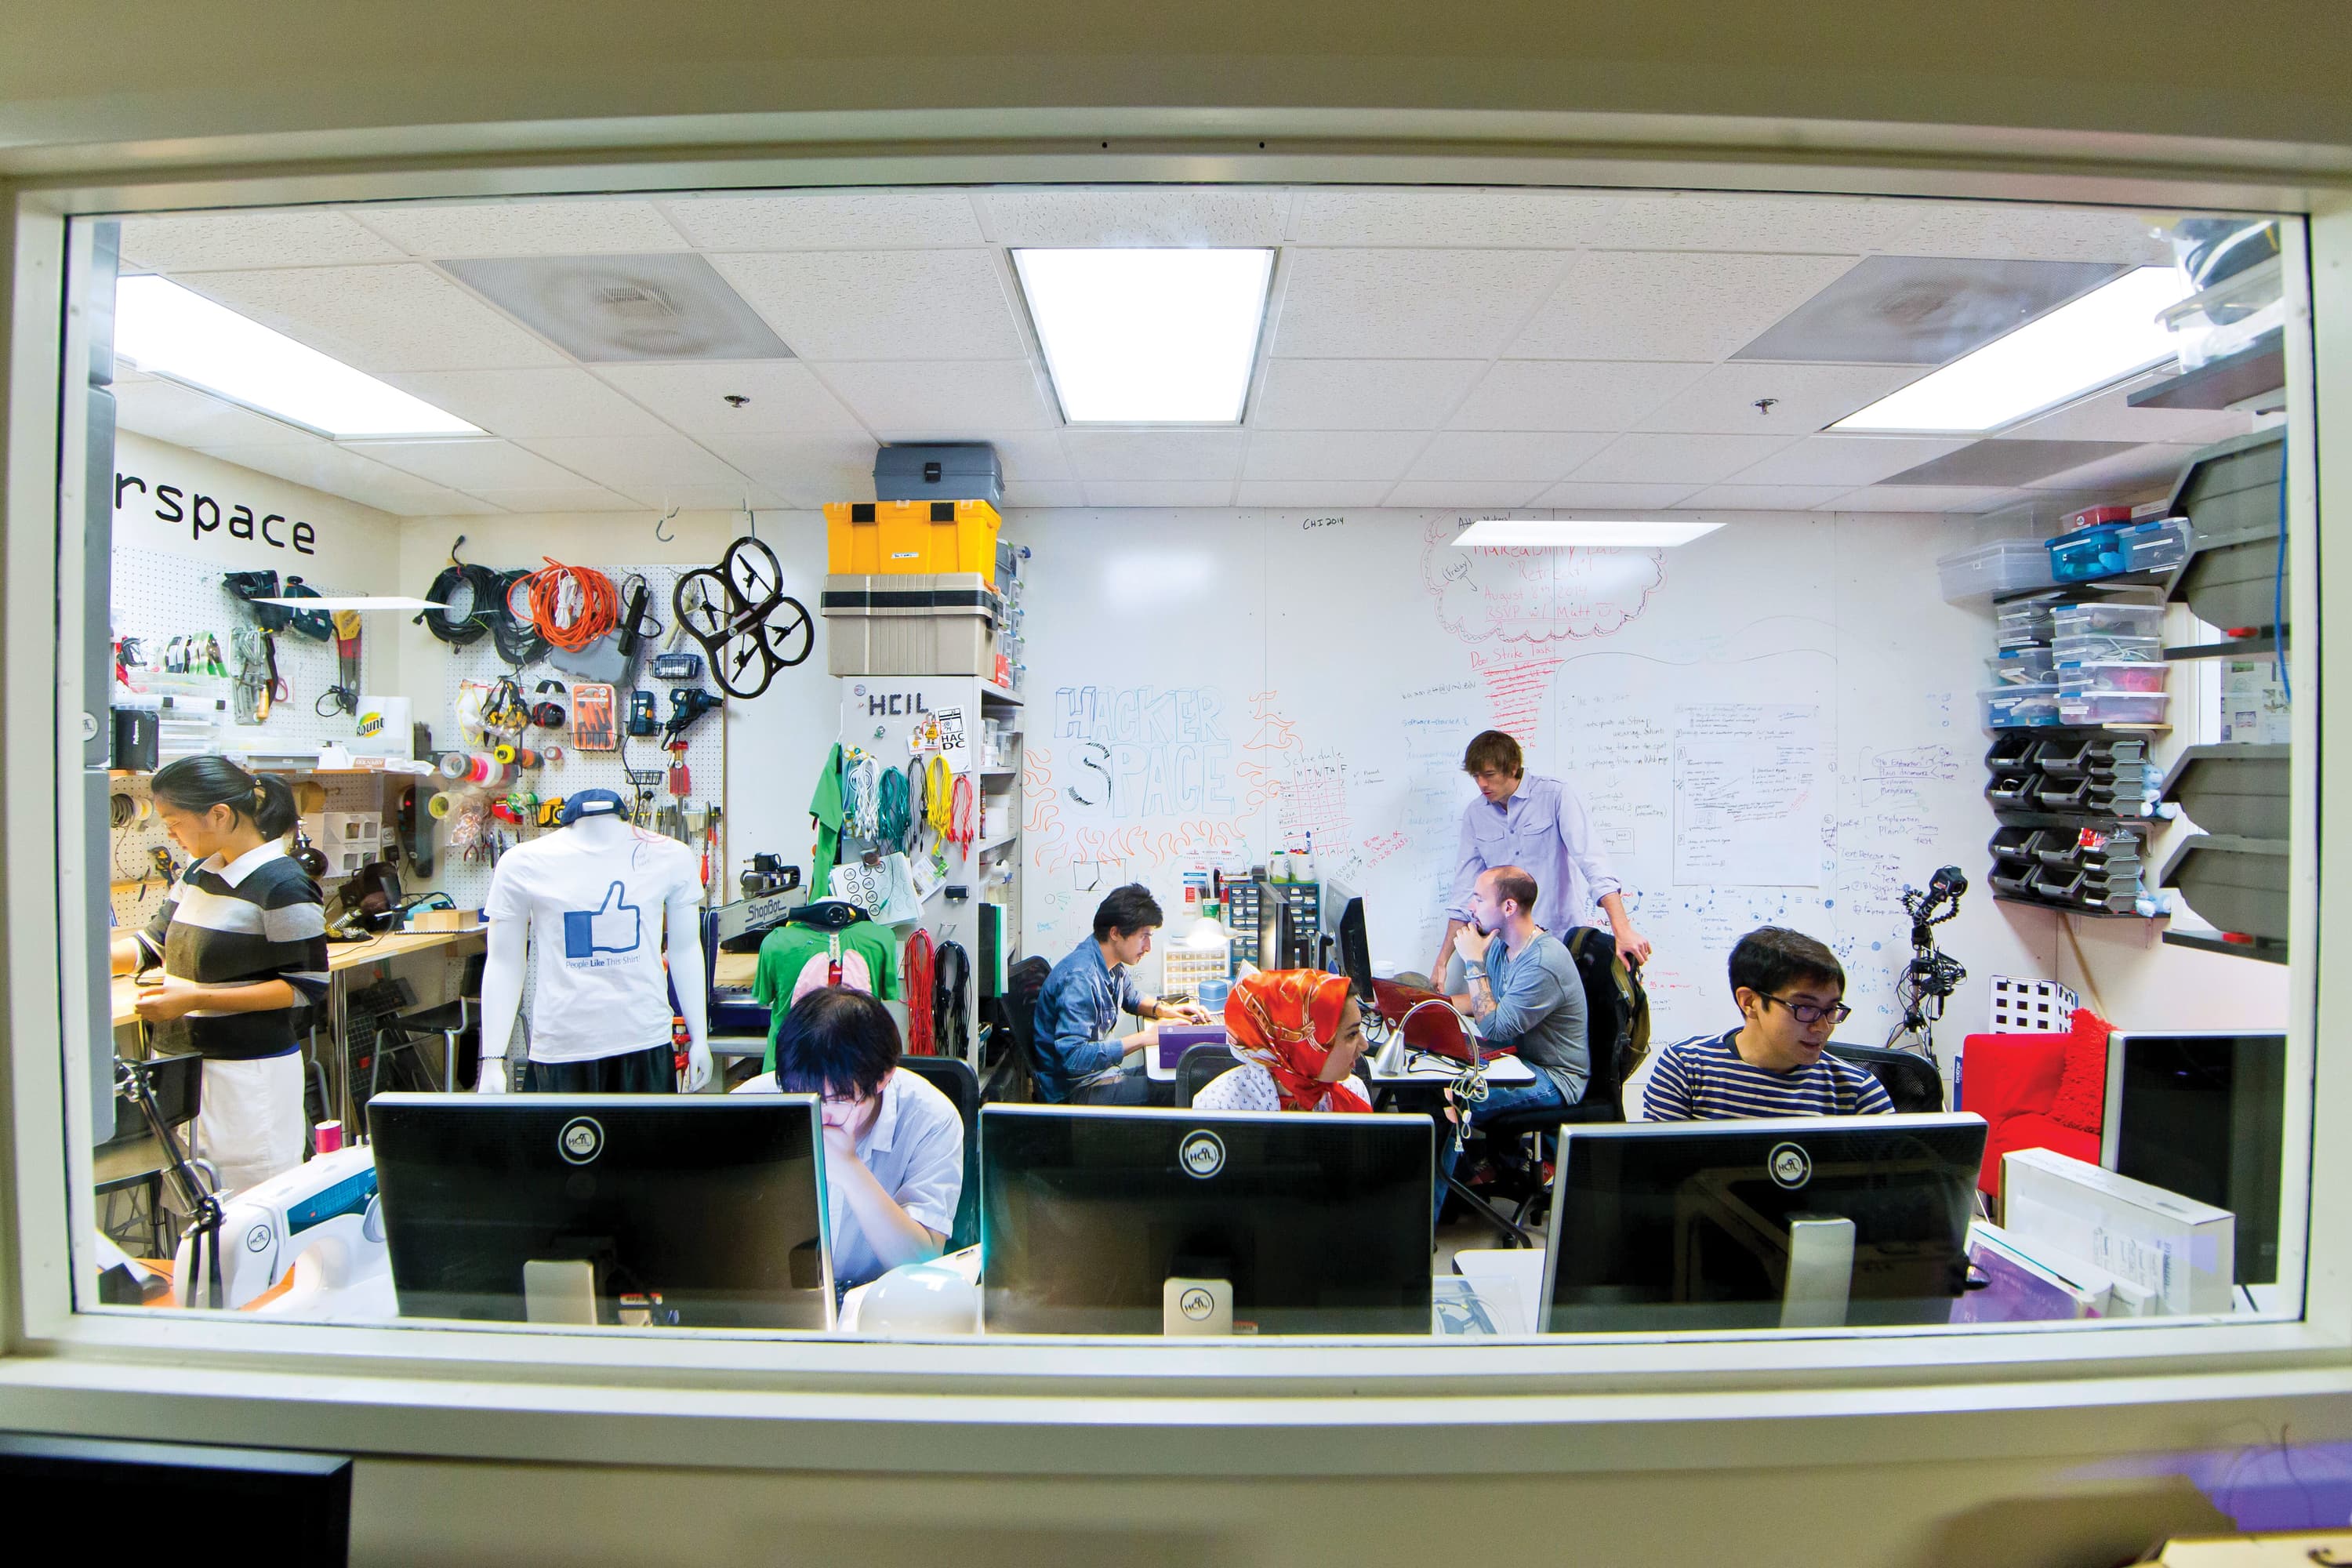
x=167, y=330
x=608, y=310
x=1592, y=533
x=1148, y=336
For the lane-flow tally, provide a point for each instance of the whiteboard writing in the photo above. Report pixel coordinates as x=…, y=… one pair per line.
x=1748, y=796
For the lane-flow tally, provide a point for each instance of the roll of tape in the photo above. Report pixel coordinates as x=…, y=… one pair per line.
x=553, y=754
x=504, y=752
x=442, y=804
x=453, y=764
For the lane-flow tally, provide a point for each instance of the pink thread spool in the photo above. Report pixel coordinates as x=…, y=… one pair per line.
x=329, y=1136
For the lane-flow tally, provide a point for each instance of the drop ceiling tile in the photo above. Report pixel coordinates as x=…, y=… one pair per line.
x=1027, y=458
x=2138, y=473
x=1134, y=456
x=1158, y=215
x=1487, y=455
x=530, y=402
x=468, y=465
x=806, y=471
x=186, y=418
x=381, y=318
x=1407, y=304
x=1309, y=493
x=1805, y=398
x=1676, y=459
x=213, y=242
x=2109, y=416
x=575, y=225
x=1651, y=305
x=1765, y=498
x=1044, y=493
x=1999, y=462
x=824, y=220
x=1922, y=310
x=652, y=470
x=1575, y=497
x=740, y=496
x=1359, y=455
x=1361, y=394
x=882, y=305
x=786, y=398
x=1925, y=497
x=1845, y=460
x=1159, y=492
x=1501, y=217
x=1692, y=220
x=323, y=466
x=660, y=307
x=1500, y=495
x=576, y=498
x=943, y=401
x=1570, y=394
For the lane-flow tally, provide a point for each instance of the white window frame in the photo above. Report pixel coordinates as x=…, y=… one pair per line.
x=1581, y=1403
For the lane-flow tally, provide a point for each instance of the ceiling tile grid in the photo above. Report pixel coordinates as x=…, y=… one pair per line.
x=826, y=220
x=380, y=319
x=971, y=400
x=1570, y=394
x=1135, y=216
x=1654, y=305
x=222, y=242
x=1458, y=456
x=1361, y=394
x=651, y=470
x=781, y=398
x=1357, y=455
x=530, y=402
x=468, y=465
x=576, y=227
x=1795, y=399
x=1408, y=304
x=882, y=305
x=1694, y=460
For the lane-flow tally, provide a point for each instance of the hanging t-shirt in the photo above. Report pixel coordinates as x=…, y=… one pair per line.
x=596, y=915
x=795, y=960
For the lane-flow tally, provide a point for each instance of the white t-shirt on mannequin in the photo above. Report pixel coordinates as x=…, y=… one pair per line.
x=594, y=903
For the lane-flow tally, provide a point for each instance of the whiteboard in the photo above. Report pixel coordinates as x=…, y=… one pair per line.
x=1775, y=724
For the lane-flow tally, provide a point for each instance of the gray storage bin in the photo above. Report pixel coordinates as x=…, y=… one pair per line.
x=910, y=624
x=2229, y=493
x=2240, y=790
x=2239, y=884
x=939, y=470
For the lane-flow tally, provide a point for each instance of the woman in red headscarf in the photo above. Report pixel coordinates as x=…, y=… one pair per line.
x=1299, y=1035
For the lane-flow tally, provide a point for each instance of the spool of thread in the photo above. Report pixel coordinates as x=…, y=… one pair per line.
x=329, y=1136
x=442, y=804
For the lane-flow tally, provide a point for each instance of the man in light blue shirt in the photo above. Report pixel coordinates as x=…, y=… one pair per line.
x=1539, y=824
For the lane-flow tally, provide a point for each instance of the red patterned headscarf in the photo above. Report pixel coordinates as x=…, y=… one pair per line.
x=1285, y=1020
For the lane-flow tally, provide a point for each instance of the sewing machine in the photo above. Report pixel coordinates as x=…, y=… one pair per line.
x=322, y=1216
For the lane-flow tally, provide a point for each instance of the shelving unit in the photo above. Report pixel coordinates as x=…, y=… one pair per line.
x=2260, y=951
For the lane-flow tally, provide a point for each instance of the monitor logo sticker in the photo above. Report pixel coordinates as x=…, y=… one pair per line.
x=1196, y=1304
x=1790, y=1166
x=1203, y=1154
x=581, y=1141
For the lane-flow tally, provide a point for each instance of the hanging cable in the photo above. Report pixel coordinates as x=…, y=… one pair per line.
x=468, y=597
x=890, y=813
x=938, y=782
x=860, y=798
x=571, y=607
x=918, y=808
x=950, y=1001
x=920, y=1040
x=518, y=642
x=963, y=816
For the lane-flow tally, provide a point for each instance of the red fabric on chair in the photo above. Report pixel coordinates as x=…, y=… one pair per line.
x=2080, y=1102
x=2032, y=1129
x=2037, y=1091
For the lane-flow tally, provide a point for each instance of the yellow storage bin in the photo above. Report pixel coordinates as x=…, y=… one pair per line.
x=867, y=538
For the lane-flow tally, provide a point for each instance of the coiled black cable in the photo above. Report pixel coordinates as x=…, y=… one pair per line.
x=483, y=601
x=519, y=640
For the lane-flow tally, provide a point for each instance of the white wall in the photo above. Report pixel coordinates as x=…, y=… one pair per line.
x=336, y=546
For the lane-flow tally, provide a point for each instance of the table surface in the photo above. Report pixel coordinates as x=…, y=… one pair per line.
x=1421, y=1067
x=341, y=956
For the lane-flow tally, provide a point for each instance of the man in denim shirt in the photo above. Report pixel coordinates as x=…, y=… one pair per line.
x=1079, y=1060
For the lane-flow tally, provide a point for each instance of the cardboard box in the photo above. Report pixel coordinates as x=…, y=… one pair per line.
x=445, y=919
x=2181, y=1251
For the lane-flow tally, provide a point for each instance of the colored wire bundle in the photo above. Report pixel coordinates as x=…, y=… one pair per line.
x=890, y=815
x=481, y=604
x=917, y=969
x=571, y=607
x=963, y=816
x=938, y=782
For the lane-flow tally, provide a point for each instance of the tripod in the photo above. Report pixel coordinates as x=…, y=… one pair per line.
x=203, y=1207
x=1930, y=978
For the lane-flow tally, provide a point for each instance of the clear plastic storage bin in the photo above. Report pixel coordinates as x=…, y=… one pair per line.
x=2030, y=666
x=2022, y=625
x=2114, y=707
x=2004, y=566
x=2128, y=620
x=2087, y=552
x=2112, y=675
x=2156, y=546
x=2105, y=648
x=2020, y=707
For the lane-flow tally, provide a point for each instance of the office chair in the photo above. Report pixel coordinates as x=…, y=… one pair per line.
x=1016, y=1012
x=1199, y=1066
x=1910, y=1080
x=954, y=1079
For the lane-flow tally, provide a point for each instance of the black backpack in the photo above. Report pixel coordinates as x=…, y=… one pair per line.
x=1617, y=1010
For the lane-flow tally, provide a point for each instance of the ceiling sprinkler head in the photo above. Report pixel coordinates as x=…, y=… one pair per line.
x=735, y=399
x=1764, y=405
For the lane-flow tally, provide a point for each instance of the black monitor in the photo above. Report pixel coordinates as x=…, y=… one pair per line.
x=1803, y=1222
x=1355, y=955
x=1318, y=1222
x=2204, y=1116
x=688, y=1211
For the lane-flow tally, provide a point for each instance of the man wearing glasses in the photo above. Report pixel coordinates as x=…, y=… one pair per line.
x=1789, y=991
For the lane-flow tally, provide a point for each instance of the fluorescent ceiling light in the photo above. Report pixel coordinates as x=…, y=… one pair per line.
x=1148, y=336
x=170, y=332
x=1592, y=533
x=356, y=601
x=2109, y=334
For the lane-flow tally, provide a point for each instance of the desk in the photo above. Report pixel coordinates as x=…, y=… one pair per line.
x=1423, y=1069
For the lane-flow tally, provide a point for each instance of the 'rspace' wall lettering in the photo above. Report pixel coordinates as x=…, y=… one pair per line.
x=202, y=514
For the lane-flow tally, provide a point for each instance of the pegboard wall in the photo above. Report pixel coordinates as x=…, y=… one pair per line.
x=136, y=887
x=467, y=882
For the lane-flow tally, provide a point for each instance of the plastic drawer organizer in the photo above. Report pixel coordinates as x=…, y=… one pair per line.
x=2071, y=808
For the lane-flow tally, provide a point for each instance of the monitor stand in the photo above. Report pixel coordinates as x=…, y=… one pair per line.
x=559, y=1290
x=1821, y=1272
x=1193, y=1306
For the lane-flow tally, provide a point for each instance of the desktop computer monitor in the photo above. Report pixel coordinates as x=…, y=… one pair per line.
x=2204, y=1116
x=1803, y=1222
x=677, y=1211
x=1354, y=945
x=1318, y=1222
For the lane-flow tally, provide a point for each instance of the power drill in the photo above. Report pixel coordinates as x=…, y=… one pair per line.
x=686, y=703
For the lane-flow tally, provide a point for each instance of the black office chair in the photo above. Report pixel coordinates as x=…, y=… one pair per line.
x=1910, y=1080
x=1016, y=1015
x=954, y=1079
x=1199, y=1067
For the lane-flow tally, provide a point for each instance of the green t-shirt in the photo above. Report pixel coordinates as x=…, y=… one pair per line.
x=796, y=960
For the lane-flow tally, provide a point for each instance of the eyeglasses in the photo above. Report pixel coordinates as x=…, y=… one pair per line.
x=1807, y=1013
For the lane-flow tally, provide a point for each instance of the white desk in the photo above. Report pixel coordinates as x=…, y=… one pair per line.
x=1421, y=1069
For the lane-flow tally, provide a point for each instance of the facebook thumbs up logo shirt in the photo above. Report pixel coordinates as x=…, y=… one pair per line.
x=596, y=915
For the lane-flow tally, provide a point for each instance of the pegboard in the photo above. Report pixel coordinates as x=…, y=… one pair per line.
x=467, y=882
x=136, y=888
x=157, y=597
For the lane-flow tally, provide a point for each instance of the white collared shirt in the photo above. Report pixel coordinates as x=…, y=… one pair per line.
x=915, y=1150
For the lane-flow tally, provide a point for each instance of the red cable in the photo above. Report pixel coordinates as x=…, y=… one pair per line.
x=961, y=827
x=918, y=966
x=599, y=611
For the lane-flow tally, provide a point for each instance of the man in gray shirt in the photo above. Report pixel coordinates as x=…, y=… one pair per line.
x=1522, y=987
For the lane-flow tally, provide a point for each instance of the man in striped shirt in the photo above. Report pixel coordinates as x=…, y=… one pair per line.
x=1789, y=990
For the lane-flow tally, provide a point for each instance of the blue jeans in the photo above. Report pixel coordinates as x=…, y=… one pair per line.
x=1500, y=1097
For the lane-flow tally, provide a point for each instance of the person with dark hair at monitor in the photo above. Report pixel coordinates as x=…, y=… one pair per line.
x=893, y=1144
x=1080, y=1061
x=1299, y=1034
x=241, y=942
x=1789, y=990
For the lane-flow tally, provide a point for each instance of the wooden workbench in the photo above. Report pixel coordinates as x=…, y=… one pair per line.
x=341, y=956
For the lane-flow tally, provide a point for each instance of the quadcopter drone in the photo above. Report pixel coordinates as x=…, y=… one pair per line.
x=746, y=623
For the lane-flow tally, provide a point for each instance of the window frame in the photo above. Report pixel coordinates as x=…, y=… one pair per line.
x=822, y=1401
